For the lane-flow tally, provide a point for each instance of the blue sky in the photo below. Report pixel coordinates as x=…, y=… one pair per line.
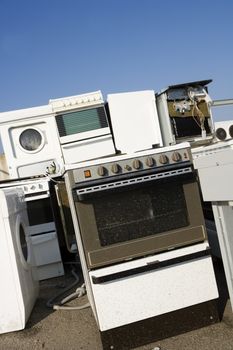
x=56, y=48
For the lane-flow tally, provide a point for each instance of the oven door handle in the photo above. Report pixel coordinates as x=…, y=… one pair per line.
x=151, y=266
x=184, y=174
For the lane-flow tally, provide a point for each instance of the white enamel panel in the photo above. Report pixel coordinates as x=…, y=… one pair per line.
x=115, y=158
x=23, y=163
x=134, y=120
x=223, y=215
x=88, y=149
x=84, y=135
x=76, y=101
x=19, y=287
x=215, y=169
x=153, y=293
x=47, y=255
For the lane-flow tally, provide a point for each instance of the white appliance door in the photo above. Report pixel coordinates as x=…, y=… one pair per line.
x=134, y=121
x=141, y=295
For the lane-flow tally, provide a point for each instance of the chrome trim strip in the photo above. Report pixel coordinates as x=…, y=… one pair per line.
x=133, y=181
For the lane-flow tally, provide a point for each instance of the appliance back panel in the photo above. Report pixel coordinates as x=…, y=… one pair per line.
x=202, y=106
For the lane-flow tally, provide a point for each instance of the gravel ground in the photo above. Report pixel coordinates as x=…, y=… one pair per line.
x=76, y=330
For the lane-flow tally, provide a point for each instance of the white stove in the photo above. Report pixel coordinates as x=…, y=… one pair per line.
x=215, y=169
x=129, y=256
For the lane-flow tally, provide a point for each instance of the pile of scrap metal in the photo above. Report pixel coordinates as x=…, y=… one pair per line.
x=117, y=183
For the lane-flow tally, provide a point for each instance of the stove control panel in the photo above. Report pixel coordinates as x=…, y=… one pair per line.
x=120, y=166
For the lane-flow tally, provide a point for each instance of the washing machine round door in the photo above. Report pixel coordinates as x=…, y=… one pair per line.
x=31, y=140
x=22, y=243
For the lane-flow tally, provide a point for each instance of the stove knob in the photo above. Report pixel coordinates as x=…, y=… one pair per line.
x=163, y=159
x=101, y=171
x=150, y=162
x=136, y=164
x=115, y=168
x=176, y=157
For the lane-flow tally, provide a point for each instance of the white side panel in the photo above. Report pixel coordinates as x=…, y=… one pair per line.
x=216, y=183
x=89, y=149
x=19, y=289
x=223, y=215
x=47, y=255
x=45, y=272
x=134, y=121
x=152, y=293
x=10, y=293
x=215, y=169
x=164, y=120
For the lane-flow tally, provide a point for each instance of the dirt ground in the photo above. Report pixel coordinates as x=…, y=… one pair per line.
x=76, y=330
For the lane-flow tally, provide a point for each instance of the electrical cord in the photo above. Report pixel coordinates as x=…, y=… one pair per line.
x=53, y=180
x=80, y=291
x=52, y=169
x=50, y=301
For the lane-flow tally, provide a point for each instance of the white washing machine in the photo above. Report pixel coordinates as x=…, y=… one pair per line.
x=19, y=285
x=30, y=142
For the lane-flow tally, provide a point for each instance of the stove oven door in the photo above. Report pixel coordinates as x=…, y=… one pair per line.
x=152, y=286
x=139, y=219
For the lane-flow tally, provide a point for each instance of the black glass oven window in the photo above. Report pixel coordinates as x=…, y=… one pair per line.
x=81, y=121
x=39, y=211
x=138, y=213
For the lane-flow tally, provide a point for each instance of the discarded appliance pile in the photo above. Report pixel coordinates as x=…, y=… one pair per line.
x=114, y=182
